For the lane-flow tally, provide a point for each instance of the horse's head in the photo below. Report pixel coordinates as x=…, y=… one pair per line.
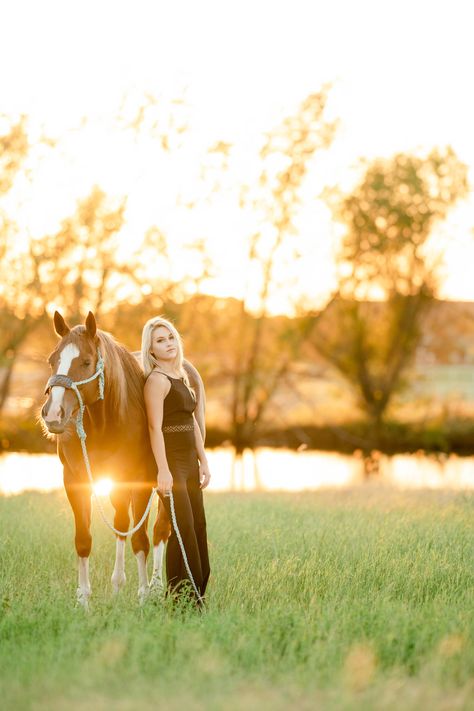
x=75, y=358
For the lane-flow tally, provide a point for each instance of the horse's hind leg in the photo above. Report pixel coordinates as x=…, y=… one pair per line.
x=161, y=533
x=140, y=543
x=120, y=499
x=80, y=500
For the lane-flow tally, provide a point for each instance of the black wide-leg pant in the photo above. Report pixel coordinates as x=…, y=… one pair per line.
x=191, y=519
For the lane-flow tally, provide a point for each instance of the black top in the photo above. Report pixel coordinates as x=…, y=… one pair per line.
x=178, y=407
x=179, y=404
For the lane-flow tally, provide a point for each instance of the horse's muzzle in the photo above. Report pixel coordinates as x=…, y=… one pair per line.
x=56, y=426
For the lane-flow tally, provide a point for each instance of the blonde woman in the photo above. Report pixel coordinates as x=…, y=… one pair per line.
x=178, y=448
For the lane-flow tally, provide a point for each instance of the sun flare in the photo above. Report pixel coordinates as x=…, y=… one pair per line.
x=103, y=487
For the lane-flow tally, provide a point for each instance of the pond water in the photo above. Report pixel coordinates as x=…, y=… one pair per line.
x=267, y=470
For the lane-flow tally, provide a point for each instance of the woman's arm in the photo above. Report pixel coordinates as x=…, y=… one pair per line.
x=204, y=473
x=156, y=389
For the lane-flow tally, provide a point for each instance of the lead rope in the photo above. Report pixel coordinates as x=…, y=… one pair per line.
x=181, y=545
x=81, y=433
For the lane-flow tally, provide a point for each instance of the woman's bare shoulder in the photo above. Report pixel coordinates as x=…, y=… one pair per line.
x=157, y=383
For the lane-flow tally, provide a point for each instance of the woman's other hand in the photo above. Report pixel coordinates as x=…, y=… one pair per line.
x=204, y=475
x=165, y=482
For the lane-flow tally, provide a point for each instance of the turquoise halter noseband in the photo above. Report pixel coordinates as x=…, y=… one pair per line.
x=64, y=381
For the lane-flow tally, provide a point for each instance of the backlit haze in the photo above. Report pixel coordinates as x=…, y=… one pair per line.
x=227, y=72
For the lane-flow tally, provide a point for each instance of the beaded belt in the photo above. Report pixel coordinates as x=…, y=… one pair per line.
x=179, y=428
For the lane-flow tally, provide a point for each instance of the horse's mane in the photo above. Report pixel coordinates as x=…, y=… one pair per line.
x=124, y=378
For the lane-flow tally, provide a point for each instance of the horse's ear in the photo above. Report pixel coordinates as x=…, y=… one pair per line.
x=91, y=325
x=60, y=325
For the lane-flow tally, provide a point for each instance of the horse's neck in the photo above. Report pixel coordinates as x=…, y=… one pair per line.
x=98, y=416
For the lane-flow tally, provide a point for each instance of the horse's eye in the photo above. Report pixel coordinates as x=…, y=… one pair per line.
x=86, y=363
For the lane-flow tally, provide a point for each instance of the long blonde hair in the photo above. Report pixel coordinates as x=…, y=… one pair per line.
x=149, y=361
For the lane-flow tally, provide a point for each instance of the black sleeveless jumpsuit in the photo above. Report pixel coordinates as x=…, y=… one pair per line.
x=182, y=458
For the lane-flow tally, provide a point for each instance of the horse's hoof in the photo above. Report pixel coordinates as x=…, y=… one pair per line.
x=118, y=583
x=143, y=594
x=82, y=599
x=156, y=586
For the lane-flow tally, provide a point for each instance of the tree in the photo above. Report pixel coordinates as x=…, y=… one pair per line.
x=387, y=275
x=74, y=269
x=78, y=265
x=14, y=147
x=264, y=349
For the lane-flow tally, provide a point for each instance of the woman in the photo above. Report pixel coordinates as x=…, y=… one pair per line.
x=179, y=453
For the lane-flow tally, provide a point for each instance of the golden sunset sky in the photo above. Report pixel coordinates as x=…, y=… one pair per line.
x=402, y=81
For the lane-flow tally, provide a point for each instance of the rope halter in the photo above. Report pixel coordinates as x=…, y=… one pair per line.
x=65, y=381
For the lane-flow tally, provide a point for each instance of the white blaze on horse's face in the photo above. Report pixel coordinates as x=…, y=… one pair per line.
x=66, y=357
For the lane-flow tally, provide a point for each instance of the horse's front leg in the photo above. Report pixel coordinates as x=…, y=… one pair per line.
x=140, y=542
x=120, y=501
x=80, y=499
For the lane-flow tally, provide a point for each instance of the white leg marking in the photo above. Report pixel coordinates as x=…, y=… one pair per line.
x=84, y=588
x=118, y=576
x=156, y=584
x=68, y=354
x=143, y=586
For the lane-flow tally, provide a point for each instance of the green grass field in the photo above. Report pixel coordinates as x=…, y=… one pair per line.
x=356, y=599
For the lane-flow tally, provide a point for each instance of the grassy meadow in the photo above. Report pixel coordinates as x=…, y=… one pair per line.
x=355, y=599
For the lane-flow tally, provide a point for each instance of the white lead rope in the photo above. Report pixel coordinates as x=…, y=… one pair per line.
x=125, y=534
x=181, y=545
x=98, y=502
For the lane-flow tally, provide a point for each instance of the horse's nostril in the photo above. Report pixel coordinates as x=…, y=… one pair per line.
x=44, y=411
x=61, y=413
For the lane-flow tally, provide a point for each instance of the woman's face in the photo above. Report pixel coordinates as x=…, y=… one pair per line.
x=163, y=344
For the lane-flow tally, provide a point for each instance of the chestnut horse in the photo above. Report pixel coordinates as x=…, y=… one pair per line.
x=118, y=443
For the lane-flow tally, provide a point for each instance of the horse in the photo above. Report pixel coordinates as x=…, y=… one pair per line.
x=118, y=444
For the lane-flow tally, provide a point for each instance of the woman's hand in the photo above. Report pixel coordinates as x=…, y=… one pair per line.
x=165, y=481
x=204, y=474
